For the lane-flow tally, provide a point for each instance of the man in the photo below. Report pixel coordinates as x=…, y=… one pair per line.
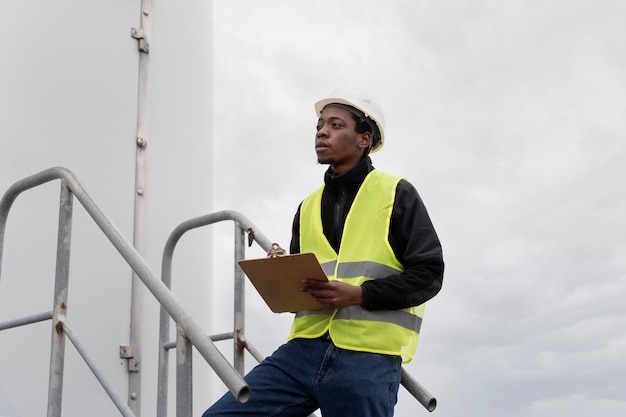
x=374, y=238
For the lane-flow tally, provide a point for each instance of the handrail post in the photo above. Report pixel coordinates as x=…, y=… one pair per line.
x=164, y=329
x=184, y=375
x=164, y=334
x=57, y=348
x=239, y=303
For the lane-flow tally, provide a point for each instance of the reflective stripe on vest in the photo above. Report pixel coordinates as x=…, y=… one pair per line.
x=399, y=317
x=364, y=254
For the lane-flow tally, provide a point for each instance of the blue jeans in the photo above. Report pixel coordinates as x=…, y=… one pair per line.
x=306, y=374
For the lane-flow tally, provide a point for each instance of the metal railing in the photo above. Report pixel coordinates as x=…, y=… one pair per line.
x=243, y=226
x=189, y=333
x=70, y=188
x=183, y=353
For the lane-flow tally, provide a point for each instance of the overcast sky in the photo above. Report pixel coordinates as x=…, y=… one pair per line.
x=508, y=117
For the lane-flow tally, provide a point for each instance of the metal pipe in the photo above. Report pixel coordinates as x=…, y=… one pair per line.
x=241, y=223
x=162, y=366
x=418, y=391
x=253, y=351
x=184, y=375
x=117, y=399
x=240, y=299
x=222, y=336
x=59, y=303
x=26, y=320
x=144, y=37
x=214, y=338
x=211, y=354
x=11, y=194
x=194, y=332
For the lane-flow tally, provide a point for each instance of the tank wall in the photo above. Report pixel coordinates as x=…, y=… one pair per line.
x=68, y=97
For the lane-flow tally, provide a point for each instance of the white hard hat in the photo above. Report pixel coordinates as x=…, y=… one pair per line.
x=360, y=102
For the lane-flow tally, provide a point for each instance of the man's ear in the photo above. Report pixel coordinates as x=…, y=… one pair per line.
x=365, y=140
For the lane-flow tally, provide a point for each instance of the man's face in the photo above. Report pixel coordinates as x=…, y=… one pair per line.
x=336, y=142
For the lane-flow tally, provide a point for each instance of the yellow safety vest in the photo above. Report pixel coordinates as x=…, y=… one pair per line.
x=364, y=254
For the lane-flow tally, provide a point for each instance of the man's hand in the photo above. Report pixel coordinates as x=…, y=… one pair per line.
x=333, y=294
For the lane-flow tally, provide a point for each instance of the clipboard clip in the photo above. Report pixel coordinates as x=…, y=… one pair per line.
x=275, y=251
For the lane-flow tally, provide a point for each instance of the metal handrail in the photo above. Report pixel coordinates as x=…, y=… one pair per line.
x=188, y=332
x=71, y=186
x=242, y=225
x=183, y=373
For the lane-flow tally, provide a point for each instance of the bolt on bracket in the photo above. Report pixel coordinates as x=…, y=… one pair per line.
x=140, y=35
x=126, y=352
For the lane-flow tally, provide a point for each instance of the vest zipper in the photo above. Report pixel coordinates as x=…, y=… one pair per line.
x=339, y=219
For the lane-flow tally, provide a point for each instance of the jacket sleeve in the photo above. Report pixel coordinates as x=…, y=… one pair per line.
x=416, y=245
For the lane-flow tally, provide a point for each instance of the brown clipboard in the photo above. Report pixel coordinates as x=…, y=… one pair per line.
x=278, y=280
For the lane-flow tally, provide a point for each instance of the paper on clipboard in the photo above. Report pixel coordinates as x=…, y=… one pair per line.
x=278, y=280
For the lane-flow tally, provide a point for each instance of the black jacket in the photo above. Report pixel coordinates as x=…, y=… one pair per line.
x=412, y=238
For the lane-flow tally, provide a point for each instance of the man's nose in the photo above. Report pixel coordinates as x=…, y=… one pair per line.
x=322, y=132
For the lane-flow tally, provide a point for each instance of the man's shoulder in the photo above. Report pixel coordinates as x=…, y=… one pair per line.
x=404, y=187
x=392, y=178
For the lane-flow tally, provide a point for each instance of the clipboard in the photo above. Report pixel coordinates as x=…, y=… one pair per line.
x=278, y=280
